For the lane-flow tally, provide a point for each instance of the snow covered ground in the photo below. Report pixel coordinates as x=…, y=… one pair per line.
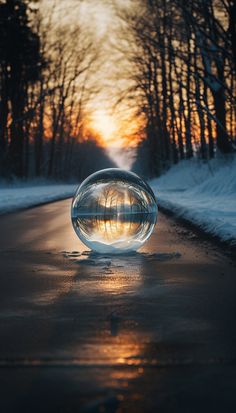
x=18, y=196
x=202, y=193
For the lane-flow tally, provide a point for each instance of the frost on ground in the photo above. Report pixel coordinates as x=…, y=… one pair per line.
x=18, y=196
x=203, y=193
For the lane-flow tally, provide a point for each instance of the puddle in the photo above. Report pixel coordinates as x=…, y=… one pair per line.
x=93, y=258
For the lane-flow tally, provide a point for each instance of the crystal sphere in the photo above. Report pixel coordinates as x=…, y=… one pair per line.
x=114, y=211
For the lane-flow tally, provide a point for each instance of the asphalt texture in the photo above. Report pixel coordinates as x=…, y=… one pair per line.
x=153, y=331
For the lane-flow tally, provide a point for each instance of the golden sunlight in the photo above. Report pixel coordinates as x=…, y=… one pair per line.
x=114, y=130
x=105, y=125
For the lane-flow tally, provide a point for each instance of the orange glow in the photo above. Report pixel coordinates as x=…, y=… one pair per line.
x=115, y=131
x=106, y=126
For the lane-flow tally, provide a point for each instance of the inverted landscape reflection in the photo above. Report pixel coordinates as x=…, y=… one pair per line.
x=115, y=211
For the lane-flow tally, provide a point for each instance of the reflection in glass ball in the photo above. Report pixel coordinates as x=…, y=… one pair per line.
x=114, y=211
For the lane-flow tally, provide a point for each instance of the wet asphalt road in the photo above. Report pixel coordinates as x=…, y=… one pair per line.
x=150, y=332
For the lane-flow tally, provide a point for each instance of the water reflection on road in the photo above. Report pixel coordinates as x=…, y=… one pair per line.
x=108, y=293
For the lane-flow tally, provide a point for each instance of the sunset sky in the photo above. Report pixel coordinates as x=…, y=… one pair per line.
x=117, y=128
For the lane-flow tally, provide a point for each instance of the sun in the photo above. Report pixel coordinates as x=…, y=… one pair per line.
x=115, y=131
x=105, y=124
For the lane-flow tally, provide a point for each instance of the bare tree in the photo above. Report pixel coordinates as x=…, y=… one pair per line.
x=182, y=72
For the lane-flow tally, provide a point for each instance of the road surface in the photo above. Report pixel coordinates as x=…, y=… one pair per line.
x=150, y=332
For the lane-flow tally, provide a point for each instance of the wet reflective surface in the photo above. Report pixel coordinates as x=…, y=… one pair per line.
x=114, y=211
x=149, y=331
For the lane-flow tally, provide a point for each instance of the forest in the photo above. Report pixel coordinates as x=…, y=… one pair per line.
x=44, y=76
x=180, y=64
x=182, y=57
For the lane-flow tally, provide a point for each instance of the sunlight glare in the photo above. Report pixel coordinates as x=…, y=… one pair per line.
x=105, y=125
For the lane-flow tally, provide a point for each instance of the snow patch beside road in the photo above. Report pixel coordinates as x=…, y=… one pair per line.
x=18, y=197
x=203, y=193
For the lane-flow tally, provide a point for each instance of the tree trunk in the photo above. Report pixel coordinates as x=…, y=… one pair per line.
x=16, y=148
x=232, y=28
x=189, y=148
x=3, y=121
x=39, y=136
x=222, y=138
x=209, y=126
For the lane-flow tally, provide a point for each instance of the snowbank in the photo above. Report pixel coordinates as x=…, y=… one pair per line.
x=203, y=193
x=17, y=196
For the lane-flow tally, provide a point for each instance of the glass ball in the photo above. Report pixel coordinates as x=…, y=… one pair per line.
x=114, y=211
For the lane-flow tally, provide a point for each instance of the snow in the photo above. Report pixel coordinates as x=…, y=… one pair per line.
x=203, y=193
x=19, y=196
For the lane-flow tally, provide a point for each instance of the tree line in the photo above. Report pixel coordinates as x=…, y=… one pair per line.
x=45, y=85
x=181, y=64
